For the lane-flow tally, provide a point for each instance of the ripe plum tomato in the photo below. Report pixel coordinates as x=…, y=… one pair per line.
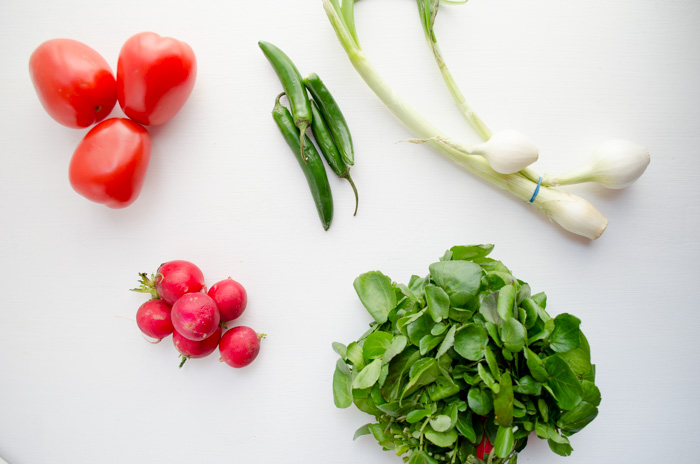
x=74, y=83
x=155, y=76
x=110, y=163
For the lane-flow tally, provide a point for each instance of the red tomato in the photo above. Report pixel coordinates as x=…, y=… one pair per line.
x=74, y=83
x=155, y=76
x=110, y=163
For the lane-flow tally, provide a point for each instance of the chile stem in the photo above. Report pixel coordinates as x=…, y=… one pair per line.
x=354, y=189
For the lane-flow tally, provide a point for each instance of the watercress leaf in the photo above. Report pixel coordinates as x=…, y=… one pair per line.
x=590, y=376
x=438, y=302
x=460, y=279
x=354, y=355
x=497, y=280
x=421, y=457
x=376, y=345
x=507, y=354
x=471, y=252
x=544, y=315
x=503, y=445
x=447, y=342
x=535, y=365
x=562, y=449
x=394, y=408
x=528, y=386
x=342, y=385
x=417, y=284
x=378, y=432
x=438, y=329
x=494, y=265
x=492, y=362
x=503, y=401
x=341, y=349
x=574, y=420
x=383, y=375
x=443, y=387
x=489, y=308
x=442, y=439
x=423, y=372
x=404, y=307
x=542, y=429
x=506, y=302
x=487, y=378
x=408, y=293
x=540, y=299
x=465, y=427
x=461, y=314
x=452, y=409
x=398, y=344
x=419, y=328
x=579, y=358
x=564, y=384
x=366, y=405
x=428, y=342
x=470, y=341
x=441, y=423
x=480, y=400
x=543, y=409
x=591, y=393
x=376, y=294
x=364, y=430
x=522, y=315
x=566, y=334
x=417, y=415
x=368, y=376
x=545, y=328
x=403, y=322
x=513, y=335
x=398, y=369
x=530, y=307
x=523, y=293
x=492, y=329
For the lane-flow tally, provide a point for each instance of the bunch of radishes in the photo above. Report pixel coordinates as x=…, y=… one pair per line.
x=181, y=305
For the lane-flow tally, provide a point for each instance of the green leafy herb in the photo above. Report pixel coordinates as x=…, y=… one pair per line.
x=462, y=355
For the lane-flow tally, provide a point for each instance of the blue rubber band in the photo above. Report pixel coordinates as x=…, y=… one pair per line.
x=537, y=190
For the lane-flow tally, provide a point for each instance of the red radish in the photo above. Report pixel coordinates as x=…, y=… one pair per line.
x=176, y=278
x=153, y=318
x=196, y=349
x=195, y=316
x=485, y=447
x=230, y=298
x=240, y=346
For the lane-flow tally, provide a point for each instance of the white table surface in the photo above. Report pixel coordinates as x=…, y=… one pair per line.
x=78, y=384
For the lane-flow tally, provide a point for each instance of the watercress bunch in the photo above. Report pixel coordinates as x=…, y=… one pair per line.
x=462, y=359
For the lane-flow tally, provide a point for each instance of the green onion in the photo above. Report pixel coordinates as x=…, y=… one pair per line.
x=571, y=212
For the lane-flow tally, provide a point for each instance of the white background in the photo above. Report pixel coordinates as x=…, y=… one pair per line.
x=78, y=384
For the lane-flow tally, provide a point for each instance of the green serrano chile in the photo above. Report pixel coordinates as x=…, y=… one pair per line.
x=294, y=88
x=333, y=117
x=325, y=142
x=313, y=167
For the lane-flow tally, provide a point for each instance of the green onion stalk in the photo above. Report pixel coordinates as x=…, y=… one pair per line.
x=571, y=212
x=428, y=11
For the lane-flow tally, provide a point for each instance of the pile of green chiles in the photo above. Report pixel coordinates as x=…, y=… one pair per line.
x=328, y=126
x=462, y=365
